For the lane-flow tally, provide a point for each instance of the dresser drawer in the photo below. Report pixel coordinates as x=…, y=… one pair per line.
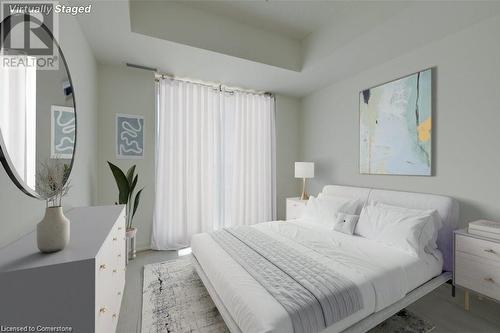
x=478, y=274
x=478, y=247
x=110, y=279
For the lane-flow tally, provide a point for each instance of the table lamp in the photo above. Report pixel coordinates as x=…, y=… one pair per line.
x=304, y=170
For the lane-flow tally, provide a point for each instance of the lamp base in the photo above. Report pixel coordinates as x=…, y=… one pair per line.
x=304, y=195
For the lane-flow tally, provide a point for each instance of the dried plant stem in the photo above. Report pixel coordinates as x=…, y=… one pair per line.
x=52, y=182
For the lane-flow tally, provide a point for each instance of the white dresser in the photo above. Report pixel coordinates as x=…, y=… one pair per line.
x=477, y=265
x=79, y=287
x=294, y=207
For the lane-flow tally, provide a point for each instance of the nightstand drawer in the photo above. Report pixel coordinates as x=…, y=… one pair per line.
x=478, y=274
x=294, y=208
x=478, y=247
x=293, y=212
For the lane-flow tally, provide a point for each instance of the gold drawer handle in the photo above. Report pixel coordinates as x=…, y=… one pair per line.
x=489, y=280
x=114, y=315
x=114, y=270
x=119, y=293
x=103, y=266
x=490, y=251
x=119, y=228
x=114, y=238
x=102, y=310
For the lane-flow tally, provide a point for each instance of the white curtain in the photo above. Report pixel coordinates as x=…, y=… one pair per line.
x=18, y=119
x=249, y=159
x=214, y=161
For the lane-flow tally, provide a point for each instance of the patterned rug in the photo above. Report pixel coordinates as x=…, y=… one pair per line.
x=174, y=300
x=404, y=322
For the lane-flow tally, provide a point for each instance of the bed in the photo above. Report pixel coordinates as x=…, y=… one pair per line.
x=384, y=280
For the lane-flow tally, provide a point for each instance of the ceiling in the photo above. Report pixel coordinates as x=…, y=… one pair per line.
x=293, y=19
x=287, y=47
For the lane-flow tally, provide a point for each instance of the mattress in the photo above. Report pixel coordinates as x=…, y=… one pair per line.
x=383, y=275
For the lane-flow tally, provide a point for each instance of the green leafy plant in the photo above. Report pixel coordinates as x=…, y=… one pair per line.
x=126, y=184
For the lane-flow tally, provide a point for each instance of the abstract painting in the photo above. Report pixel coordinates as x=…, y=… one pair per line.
x=396, y=127
x=62, y=138
x=129, y=136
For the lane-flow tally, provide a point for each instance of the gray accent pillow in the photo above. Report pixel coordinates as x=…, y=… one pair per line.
x=346, y=223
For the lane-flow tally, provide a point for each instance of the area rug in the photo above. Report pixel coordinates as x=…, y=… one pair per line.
x=174, y=300
x=404, y=322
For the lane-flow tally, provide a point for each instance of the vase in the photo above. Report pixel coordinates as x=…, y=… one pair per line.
x=131, y=252
x=52, y=233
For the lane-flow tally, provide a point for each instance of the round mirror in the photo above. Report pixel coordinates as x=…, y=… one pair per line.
x=37, y=103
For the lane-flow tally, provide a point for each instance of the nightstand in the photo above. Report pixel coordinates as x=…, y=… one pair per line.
x=294, y=207
x=477, y=265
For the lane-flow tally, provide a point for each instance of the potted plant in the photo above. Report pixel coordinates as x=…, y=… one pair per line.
x=52, y=184
x=126, y=184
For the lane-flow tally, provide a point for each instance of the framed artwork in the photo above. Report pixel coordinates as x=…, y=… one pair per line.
x=129, y=136
x=62, y=134
x=395, y=127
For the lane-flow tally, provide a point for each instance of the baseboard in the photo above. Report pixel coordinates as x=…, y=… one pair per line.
x=142, y=248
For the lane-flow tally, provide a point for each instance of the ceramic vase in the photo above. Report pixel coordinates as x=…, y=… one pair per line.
x=131, y=232
x=52, y=233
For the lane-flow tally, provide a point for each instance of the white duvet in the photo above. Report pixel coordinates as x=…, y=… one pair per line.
x=384, y=275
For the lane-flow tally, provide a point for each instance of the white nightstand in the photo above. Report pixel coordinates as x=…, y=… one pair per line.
x=477, y=265
x=294, y=207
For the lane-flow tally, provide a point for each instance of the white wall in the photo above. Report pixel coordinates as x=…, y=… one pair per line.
x=20, y=213
x=465, y=125
x=130, y=91
x=287, y=150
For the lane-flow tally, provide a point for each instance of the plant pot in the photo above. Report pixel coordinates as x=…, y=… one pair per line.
x=52, y=233
x=131, y=232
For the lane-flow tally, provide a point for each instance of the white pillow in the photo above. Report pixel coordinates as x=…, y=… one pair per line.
x=396, y=228
x=324, y=210
x=346, y=223
x=431, y=230
x=310, y=211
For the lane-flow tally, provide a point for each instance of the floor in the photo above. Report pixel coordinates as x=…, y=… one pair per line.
x=439, y=307
x=448, y=313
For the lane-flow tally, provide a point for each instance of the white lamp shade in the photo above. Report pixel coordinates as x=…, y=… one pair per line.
x=304, y=170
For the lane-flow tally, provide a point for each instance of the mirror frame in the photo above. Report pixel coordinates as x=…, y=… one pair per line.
x=4, y=155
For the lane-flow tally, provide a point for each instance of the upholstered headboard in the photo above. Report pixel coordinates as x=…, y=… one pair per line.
x=446, y=207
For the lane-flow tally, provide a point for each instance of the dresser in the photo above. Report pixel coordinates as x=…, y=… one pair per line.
x=477, y=265
x=79, y=287
x=294, y=207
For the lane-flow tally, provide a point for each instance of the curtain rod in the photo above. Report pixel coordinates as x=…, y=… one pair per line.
x=218, y=86
x=159, y=76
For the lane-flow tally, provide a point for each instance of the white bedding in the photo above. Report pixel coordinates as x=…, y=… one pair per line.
x=384, y=275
